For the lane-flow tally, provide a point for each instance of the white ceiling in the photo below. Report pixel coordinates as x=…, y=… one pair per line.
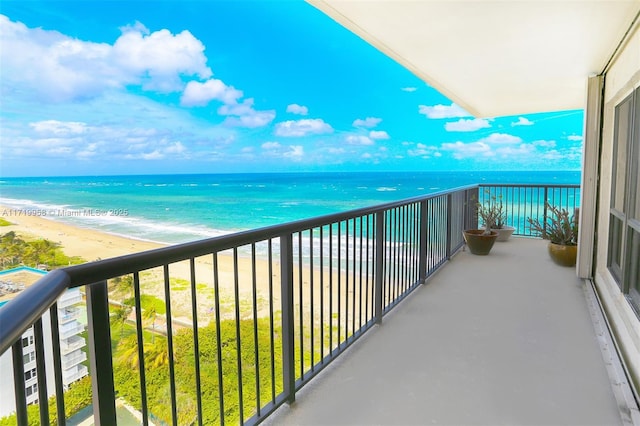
x=494, y=58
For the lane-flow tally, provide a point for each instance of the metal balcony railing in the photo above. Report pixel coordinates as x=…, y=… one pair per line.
x=292, y=298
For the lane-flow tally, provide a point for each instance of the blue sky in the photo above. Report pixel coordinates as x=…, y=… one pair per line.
x=145, y=87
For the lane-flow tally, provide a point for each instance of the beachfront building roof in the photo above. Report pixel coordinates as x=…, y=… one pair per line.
x=71, y=343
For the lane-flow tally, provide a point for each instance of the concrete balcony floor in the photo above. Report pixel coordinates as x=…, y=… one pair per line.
x=504, y=339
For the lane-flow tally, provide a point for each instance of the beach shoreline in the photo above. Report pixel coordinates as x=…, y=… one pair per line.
x=92, y=245
x=89, y=244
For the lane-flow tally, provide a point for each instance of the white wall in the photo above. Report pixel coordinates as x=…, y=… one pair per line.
x=620, y=80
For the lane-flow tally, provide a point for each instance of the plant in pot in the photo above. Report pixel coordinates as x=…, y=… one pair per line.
x=493, y=210
x=480, y=241
x=561, y=230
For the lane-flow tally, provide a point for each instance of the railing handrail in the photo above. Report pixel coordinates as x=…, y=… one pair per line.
x=32, y=303
x=530, y=185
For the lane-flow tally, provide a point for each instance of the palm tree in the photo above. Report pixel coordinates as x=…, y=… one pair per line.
x=157, y=354
x=151, y=313
x=120, y=316
x=128, y=351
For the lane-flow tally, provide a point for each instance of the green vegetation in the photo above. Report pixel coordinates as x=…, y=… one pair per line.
x=157, y=372
x=75, y=399
x=14, y=251
x=4, y=222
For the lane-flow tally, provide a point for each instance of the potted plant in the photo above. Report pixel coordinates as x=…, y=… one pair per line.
x=493, y=212
x=480, y=241
x=562, y=232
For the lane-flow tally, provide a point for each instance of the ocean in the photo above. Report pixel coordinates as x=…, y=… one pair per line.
x=179, y=208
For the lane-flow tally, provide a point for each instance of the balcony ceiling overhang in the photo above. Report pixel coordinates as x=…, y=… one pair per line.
x=494, y=58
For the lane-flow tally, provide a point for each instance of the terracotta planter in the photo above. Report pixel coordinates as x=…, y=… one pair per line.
x=504, y=233
x=563, y=255
x=479, y=243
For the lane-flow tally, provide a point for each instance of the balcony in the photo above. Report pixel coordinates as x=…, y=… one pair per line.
x=68, y=314
x=69, y=298
x=70, y=376
x=70, y=329
x=73, y=359
x=71, y=344
x=504, y=339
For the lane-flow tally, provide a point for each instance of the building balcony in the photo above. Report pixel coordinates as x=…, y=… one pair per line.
x=68, y=314
x=69, y=298
x=70, y=376
x=70, y=329
x=73, y=359
x=71, y=344
x=508, y=338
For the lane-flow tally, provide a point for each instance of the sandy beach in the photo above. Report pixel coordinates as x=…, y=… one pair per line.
x=90, y=245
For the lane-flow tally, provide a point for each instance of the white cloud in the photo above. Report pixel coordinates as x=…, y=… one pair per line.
x=522, y=121
x=302, y=127
x=336, y=150
x=424, y=151
x=443, y=111
x=367, y=122
x=277, y=150
x=545, y=144
x=378, y=134
x=297, y=109
x=59, y=68
x=575, y=138
x=408, y=89
x=467, y=125
x=500, y=139
x=252, y=119
x=296, y=152
x=55, y=127
x=358, y=140
x=200, y=94
x=160, y=57
x=465, y=150
x=271, y=145
x=243, y=115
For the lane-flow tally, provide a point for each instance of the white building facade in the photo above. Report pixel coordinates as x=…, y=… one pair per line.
x=72, y=354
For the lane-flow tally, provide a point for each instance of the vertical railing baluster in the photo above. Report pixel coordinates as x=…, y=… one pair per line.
x=544, y=210
x=100, y=357
x=57, y=366
x=196, y=338
x=379, y=265
x=321, y=261
x=41, y=371
x=422, y=267
x=140, y=340
x=216, y=295
x=18, y=383
x=286, y=287
x=256, y=349
x=169, y=322
x=330, y=289
x=236, y=302
x=271, y=323
x=449, y=224
x=339, y=271
x=312, y=299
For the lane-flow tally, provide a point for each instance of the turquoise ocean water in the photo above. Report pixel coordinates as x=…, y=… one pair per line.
x=181, y=208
